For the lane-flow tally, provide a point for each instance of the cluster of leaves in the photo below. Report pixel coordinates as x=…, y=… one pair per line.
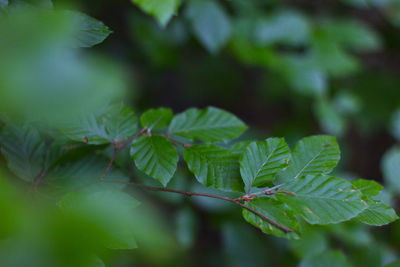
x=269, y=178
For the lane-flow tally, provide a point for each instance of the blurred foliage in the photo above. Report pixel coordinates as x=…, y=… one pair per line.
x=289, y=68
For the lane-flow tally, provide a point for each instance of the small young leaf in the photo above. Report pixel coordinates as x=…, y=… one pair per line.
x=368, y=187
x=377, y=213
x=90, y=31
x=162, y=10
x=156, y=118
x=120, y=123
x=24, y=151
x=214, y=166
x=262, y=160
x=211, y=24
x=155, y=156
x=323, y=199
x=276, y=211
x=209, y=125
x=312, y=155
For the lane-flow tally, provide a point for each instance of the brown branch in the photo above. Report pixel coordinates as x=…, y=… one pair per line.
x=190, y=194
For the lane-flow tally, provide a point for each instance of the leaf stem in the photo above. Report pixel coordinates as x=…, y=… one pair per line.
x=190, y=194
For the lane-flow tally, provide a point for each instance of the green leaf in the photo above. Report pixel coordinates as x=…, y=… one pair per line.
x=214, y=166
x=312, y=155
x=89, y=31
x=275, y=210
x=368, y=187
x=156, y=118
x=323, y=199
x=240, y=147
x=287, y=27
x=377, y=213
x=110, y=210
x=262, y=160
x=331, y=258
x=209, y=125
x=391, y=168
x=162, y=10
x=114, y=123
x=210, y=23
x=120, y=123
x=24, y=151
x=155, y=156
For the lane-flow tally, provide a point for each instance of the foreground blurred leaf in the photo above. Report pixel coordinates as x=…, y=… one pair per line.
x=162, y=10
x=210, y=23
x=276, y=211
x=83, y=173
x=155, y=156
x=24, y=150
x=262, y=160
x=214, y=166
x=111, y=210
x=209, y=125
x=323, y=199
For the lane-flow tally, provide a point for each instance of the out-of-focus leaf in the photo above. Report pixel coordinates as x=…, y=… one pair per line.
x=155, y=119
x=287, y=27
x=209, y=125
x=304, y=75
x=331, y=258
x=111, y=210
x=211, y=24
x=186, y=227
x=312, y=155
x=312, y=242
x=395, y=125
x=24, y=150
x=330, y=119
x=162, y=10
x=155, y=156
x=89, y=31
x=352, y=34
x=391, y=168
x=82, y=173
x=323, y=199
x=262, y=160
x=275, y=210
x=214, y=166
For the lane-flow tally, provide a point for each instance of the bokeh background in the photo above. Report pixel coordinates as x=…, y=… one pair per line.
x=288, y=68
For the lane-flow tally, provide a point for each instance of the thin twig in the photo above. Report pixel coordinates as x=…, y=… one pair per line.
x=190, y=194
